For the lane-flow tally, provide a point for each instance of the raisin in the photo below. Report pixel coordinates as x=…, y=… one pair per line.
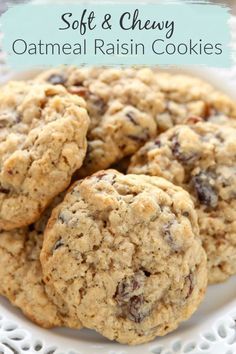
x=169, y=238
x=220, y=138
x=130, y=299
x=175, y=148
x=18, y=118
x=130, y=115
x=185, y=158
x=127, y=287
x=205, y=192
x=61, y=218
x=135, y=312
x=4, y=190
x=142, y=138
x=157, y=143
x=190, y=280
x=58, y=244
x=98, y=104
x=57, y=79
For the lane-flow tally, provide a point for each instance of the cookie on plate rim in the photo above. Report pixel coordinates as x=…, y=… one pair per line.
x=21, y=274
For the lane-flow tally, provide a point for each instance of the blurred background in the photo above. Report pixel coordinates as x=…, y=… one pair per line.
x=3, y=3
x=231, y=3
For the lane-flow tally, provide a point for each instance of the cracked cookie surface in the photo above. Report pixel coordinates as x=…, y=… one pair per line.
x=21, y=274
x=201, y=158
x=127, y=107
x=122, y=107
x=124, y=254
x=42, y=143
x=187, y=96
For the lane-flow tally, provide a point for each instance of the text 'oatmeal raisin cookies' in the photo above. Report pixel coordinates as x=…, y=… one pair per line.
x=42, y=143
x=124, y=254
x=129, y=106
x=201, y=158
x=21, y=274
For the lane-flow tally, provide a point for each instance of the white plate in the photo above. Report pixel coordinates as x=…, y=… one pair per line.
x=211, y=330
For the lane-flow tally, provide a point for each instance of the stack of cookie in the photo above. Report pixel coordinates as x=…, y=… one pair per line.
x=148, y=219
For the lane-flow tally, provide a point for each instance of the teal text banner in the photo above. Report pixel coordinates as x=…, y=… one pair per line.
x=117, y=34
